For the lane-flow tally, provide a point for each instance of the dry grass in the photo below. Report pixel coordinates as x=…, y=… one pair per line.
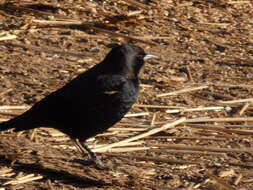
x=204, y=76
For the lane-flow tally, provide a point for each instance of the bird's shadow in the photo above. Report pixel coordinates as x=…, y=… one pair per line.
x=53, y=174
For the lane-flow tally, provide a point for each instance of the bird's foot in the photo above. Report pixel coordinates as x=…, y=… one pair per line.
x=93, y=157
x=98, y=163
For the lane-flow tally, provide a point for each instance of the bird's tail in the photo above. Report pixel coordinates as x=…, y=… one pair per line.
x=19, y=123
x=6, y=125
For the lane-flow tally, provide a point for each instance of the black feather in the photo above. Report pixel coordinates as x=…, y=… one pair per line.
x=93, y=101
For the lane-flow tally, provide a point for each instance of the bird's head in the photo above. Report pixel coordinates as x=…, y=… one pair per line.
x=127, y=59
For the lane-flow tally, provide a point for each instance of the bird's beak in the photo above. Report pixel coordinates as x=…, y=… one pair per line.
x=149, y=56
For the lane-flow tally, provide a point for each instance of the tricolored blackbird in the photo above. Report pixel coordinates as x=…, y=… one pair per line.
x=90, y=103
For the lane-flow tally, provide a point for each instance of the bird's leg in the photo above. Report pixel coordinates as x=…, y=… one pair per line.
x=85, y=150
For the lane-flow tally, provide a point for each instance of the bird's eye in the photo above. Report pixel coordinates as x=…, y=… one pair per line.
x=140, y=57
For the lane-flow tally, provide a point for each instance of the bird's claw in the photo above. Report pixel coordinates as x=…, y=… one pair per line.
x=98, y=163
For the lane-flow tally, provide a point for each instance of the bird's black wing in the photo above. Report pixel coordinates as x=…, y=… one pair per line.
x=80, y=97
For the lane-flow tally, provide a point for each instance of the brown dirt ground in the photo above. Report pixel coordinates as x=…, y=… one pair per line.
x=199, y=43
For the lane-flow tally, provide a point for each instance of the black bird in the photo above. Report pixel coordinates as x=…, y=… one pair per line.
x=92, y=102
